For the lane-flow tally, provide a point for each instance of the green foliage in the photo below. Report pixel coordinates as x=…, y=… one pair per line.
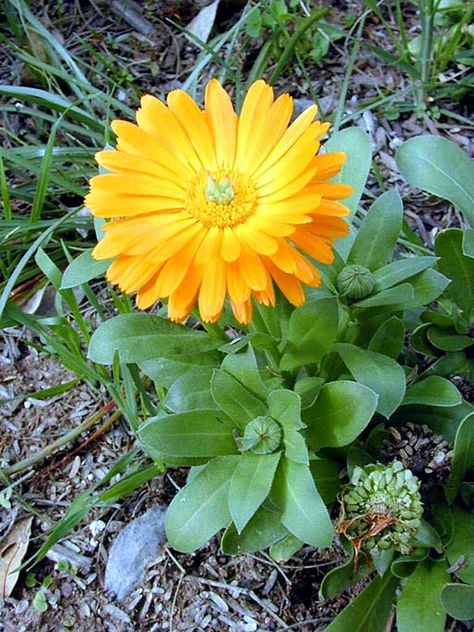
x=419, y=607
x=438, y=166
x=289, y=30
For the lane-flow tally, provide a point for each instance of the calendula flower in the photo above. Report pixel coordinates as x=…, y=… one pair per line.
x=205, y=204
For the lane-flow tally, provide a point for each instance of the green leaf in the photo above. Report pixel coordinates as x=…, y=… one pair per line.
x=438, y=166
x=448, y=339
x=199, y=433
x=311, y=334
x=460, y=547
x=295, y=446
x=191, y=391
x=139, y=337
x=400, y=270
x=419, y=340
x=250, y=485
x=262, y=531
x=201, y=509
x=458, y=267
x=48, y=268
x=377, y=237
x=427, y=536
x=341, y=578
x=327, y=479
x=303, y=512
x=433, y=391
x=82, y=269
x=382, y=559
x=284, y=549
x=234, y=399
x=419, y=607
x=463, y=457
x=404, y=565
x=243, y=367
x=369, y=610
x=389, y=297
x=427, y=286
x=377, y=371
x=308, y=389
x=285, y=406
x=458, y=601
x=468, y=243
x=389, y=338
x=334, y=420
x=354, y=172
x=165, y=371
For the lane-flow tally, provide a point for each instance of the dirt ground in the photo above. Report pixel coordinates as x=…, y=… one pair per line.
x=205, y=590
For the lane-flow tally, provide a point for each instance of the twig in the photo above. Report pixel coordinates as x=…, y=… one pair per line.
x=295, y=626
x=175, y=598
x=59, y=443
x=94, y=436
x=131, y=12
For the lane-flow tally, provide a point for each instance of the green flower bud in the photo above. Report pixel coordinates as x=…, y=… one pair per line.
x=261, y=436
x=381, y=508
x=355, y=282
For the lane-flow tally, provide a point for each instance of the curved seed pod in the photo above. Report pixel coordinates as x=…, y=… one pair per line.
x=262, y=436
x=355, y=282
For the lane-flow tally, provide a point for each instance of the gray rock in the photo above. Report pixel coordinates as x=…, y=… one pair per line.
x=136, y=546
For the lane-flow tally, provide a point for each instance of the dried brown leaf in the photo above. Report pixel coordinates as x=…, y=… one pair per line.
x=12, y=551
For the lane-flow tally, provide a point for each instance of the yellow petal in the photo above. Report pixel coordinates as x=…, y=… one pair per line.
x=317, y=247
x=255, y=108
x=135, y=185
x=292, y=134
x=130, y=273
x=156, y=119
x=258, y=241
x=111, y=205
x=134, y=140
x=329, y=190
x=230, y=248
x=212, y=291
x=306, y=202
x=122, y=162
x=238, y=288
x=222, y=121
x=210, y=246
x=176, y=267
x=252, y=269
x=288, y=284
x=242, y=311
x=147, y=295
x=286, y=187
x=292, y=164
x=183, y=299
x=329, y=165
x=194, y=122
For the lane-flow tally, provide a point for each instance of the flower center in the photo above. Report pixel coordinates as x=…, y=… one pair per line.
x=223, y=198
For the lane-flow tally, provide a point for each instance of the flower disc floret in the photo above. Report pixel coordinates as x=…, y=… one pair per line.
x=222, y=199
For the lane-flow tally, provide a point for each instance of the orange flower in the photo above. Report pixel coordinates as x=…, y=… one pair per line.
x=206, y=204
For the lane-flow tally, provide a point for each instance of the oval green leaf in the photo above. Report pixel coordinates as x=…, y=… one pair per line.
x=335, y=420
